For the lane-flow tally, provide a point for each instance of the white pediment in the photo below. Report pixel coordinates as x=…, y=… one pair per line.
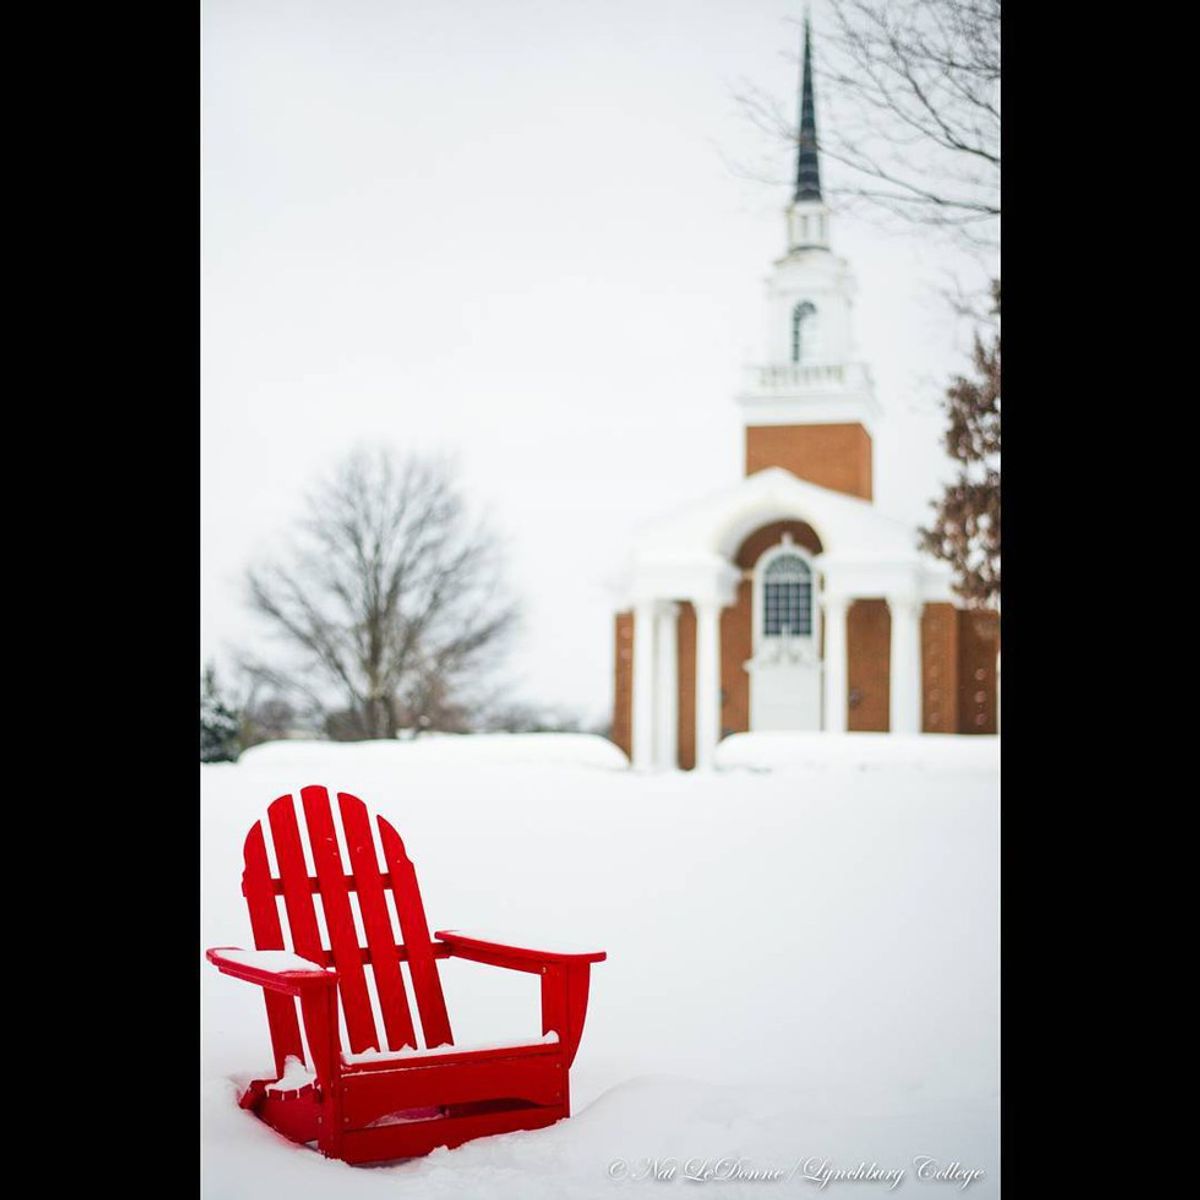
x=865, y=551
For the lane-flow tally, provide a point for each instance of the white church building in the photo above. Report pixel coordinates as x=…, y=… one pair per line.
x=788, y=600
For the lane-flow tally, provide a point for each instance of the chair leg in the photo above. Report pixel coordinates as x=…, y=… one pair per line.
x=564, y=1003
x=321, y=1025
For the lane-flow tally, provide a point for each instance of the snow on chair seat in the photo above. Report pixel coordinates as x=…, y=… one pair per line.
x=439, y=1094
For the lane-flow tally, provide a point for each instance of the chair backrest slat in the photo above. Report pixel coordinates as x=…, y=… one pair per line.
x=339, y=921
x=333, y=883
x=297, y=898
x=381, y=937
x=427, y=986
x=259, y=889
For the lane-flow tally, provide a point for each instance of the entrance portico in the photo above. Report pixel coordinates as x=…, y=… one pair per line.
x=797, y=613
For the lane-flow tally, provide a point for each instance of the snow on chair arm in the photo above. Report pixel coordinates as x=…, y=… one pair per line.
x=485, y=948
x=277, y=970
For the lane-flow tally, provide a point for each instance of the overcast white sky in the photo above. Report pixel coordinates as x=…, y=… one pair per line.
x=509, y=230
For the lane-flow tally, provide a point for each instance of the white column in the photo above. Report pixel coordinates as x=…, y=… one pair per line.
x=708, y=682
x=643, y=684
x=905, y=667
x=666, y=711
x=836, y=673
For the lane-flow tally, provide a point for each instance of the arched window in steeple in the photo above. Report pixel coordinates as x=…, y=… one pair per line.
x=802, y=315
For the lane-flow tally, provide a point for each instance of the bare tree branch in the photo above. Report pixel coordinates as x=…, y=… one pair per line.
x=912, y=111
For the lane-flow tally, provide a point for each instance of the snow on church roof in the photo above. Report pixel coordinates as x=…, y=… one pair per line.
x=718, y=523
x=856, y=537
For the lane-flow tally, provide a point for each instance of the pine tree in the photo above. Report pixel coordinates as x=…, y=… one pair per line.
x=966, y=530
x=219, y=724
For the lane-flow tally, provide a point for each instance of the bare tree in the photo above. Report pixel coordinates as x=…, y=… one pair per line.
x=388, y=599
x=271, y=718
x=523, y=717
x=915, y=88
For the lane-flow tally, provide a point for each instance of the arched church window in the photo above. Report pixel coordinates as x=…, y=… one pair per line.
x=787, y=597
x=802, y=314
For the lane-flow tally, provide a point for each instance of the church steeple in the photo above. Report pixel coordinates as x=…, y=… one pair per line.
x=808, y=167
x=808, y=214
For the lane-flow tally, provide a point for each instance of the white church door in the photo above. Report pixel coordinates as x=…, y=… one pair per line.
x=785, y=672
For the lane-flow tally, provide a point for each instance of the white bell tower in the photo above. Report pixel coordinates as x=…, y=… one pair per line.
x=811, y=377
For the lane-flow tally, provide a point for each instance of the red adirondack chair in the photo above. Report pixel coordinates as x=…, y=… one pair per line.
x=380, y=1096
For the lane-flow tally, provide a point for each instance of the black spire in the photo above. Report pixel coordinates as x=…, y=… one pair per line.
x=808, y=170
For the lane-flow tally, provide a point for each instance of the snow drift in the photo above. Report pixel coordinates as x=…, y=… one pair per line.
x=802, y=961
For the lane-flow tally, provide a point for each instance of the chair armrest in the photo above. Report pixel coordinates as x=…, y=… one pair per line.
x=487, y=950
x=565, y=975
x=276, y=970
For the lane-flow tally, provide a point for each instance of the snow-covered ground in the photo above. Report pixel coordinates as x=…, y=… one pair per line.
x=802, y=971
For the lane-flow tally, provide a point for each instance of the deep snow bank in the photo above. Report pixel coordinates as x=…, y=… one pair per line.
x=866, y=751
x=802, y=962
x=473, y=749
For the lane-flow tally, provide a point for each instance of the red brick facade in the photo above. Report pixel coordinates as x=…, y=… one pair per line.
x=622, y=723
x=761, y=540
x=868, y=654
x=736, y=633
x=939, y=669
x=958, y=660
x=978, y=641
x=834, y=456
x=687, y=686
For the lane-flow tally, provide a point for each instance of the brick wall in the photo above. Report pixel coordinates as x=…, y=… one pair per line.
x=622, y=723
x=978, y=641
x=869, y=652
x=958, y=661
x=834, y=456
x=761, y=540
x=687, y=685
x=736, y=636
x=939, y=669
